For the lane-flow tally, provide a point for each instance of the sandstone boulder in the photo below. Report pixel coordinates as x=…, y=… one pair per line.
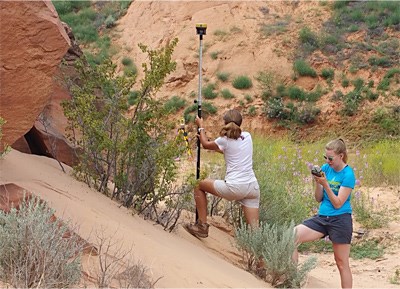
x=33, y=42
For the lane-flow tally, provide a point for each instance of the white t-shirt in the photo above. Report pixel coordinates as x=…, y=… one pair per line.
x=238, y=154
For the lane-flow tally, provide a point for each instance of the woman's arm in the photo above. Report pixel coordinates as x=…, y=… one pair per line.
x=209, y=145
x=318, y=193
x=340, y=199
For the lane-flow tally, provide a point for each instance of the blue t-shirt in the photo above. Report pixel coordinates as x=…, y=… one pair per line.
x=344, y=178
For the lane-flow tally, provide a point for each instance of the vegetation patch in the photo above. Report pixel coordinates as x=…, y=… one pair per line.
x=242, y=82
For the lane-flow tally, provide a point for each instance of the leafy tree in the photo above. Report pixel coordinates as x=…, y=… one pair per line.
x=132, y=151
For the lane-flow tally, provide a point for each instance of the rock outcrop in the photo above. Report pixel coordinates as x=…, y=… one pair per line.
x=33, y=42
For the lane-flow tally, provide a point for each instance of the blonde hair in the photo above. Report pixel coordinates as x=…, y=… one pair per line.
x=233, y=121
x=339, y=147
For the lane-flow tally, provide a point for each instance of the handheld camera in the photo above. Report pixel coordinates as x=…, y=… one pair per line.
x=316, y=171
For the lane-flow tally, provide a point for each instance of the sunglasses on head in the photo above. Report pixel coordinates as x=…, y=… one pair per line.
x=328, y=158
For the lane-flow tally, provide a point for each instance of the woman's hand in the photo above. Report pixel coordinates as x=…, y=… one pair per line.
x=321, y=180
x=199, y=121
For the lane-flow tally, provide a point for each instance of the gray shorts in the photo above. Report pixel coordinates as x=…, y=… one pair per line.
x=339, y=228
x=247, y=194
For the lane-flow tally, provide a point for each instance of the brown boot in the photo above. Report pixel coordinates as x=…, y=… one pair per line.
x=198, y=229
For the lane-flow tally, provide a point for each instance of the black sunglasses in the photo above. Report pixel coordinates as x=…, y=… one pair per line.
x=328, y=158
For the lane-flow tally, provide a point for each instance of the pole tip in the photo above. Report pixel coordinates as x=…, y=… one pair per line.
x=201, y=28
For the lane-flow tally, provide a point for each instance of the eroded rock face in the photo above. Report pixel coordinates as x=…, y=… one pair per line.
x=33, y=42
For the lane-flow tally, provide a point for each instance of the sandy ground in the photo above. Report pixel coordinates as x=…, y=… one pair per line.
x=177, y=258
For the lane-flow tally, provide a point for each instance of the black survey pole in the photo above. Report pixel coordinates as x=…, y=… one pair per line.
x=200, y=30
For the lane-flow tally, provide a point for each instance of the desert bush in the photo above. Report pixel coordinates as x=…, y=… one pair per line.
x=208, y=91
x=214, y=54
x=33, y=250
x=191, y=111
x=328, y=73
x=390, y=74
x=130, y=70
x=395, y=279
x=252, y=110
x=227, y=94
x=275, y=244
x=388, y=119
x=302, y=68
x=351, y=102
x=174, y=104
x=242, y=82
x=110, y=21
x=345, y=82
x=248, y=98
x=308, y=37
x=267, y=83
x=223, y=76
x=126, y=61
x=275, y=28
x=367, y=249
x=379, y=61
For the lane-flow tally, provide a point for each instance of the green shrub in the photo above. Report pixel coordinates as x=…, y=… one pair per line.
x=275, y=244
x=126, y=61
x=223, y=76
x=252, y=110
x=345, y=82
x=379, y=61
x=307, y=114
x=33, y=251
x=207, y=109
x=351, y=102
x=174, y=104
x=358, y=84
x=266, y=82
x=242, y=82
x=226, y=94
x=295, y=92
x=306, y=36
x=208, y=91
x=214, y=55
x=110, y=21
x=248, y=98
x=302, y=68
x=388, y=118
x=328, y=73
x=220, y=33
x=130, y=70
x=367, y=249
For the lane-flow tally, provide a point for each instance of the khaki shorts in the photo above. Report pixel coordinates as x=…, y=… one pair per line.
x=247, y=194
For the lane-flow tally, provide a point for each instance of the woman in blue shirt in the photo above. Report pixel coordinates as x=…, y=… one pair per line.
x=333, y=190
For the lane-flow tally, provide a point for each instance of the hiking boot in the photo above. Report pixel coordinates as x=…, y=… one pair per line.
x=198, y=229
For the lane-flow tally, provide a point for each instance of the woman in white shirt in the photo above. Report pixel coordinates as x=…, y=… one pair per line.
x=240, y=182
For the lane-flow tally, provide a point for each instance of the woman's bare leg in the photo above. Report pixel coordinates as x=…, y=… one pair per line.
x=342, y=253
x=200, y=197
x=251, y=216
x=304, y=234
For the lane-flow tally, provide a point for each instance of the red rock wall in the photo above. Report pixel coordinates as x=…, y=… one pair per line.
x=33, y=42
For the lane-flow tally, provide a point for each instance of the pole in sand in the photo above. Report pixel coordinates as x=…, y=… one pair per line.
x=200, y=30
